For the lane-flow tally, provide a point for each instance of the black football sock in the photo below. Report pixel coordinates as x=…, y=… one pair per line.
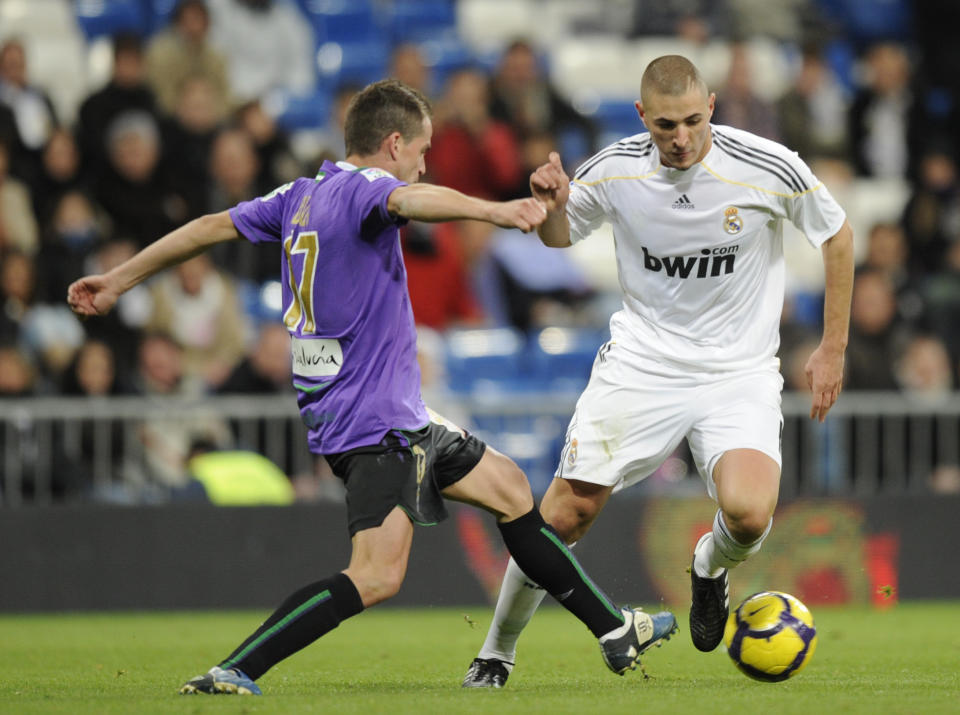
x=542, y=555
x=305, y=616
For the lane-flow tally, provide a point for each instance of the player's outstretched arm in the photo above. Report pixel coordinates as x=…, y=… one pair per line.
x=825, y=367
x=427, y=202
x=550, y=184
x=96, y=295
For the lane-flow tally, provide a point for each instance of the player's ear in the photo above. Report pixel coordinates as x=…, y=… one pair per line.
x=393, y=144
x=711, y=102
x=639, y=105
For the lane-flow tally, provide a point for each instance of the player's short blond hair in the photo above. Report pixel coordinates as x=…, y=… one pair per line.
x=671, y=75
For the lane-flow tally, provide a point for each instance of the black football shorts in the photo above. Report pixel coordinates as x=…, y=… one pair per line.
x=408, y=469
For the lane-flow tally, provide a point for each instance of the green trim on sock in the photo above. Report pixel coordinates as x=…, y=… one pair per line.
x=278, y=626
x=583, y=577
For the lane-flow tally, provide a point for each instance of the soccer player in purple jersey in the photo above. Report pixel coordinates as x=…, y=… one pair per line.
x=346, y=306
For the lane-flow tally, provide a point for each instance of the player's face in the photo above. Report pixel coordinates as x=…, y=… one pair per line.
x=411, y=158
x=679, y=125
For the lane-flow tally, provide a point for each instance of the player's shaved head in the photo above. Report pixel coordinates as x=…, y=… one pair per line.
x=671, y=75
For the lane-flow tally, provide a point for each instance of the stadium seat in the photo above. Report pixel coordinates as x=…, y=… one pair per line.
x=416, y=20
x=159, y=14
x=108, y=17
x=493, y=357
x=562, y=358
x=344, y=20
x=445, y=54
x=615, y=119
x=358, y=62
x=303, y=111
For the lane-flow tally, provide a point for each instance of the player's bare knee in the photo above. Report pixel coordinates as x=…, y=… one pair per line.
x=376, y=586
x=748, y=525
x=570, y=521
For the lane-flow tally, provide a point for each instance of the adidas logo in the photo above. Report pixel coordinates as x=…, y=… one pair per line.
x=683, y=202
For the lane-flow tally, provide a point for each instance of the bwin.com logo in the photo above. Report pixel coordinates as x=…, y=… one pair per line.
x=711, y=262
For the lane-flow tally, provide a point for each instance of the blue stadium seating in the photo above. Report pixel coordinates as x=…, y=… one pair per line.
x=357, y=62
x=306, y=111
x=560, y=359
x=97, y=18
x=485, y=357
x=416, y=20
x=344, y=20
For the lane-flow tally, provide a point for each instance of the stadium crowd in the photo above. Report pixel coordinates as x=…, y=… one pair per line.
x=184, y=127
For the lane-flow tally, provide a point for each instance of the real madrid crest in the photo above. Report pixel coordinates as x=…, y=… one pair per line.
x=732, y=223
x=572, y=454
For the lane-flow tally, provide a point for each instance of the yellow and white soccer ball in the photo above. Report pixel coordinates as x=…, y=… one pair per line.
x=770, y=636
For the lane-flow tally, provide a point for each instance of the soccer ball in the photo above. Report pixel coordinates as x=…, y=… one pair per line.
x=770, y=636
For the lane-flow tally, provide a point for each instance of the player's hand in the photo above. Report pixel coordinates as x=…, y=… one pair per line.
x=525, y=214
x=91, y=295
x=824, y=372
x=550, y=184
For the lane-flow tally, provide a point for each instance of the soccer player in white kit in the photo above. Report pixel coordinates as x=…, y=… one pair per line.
x=697, y=213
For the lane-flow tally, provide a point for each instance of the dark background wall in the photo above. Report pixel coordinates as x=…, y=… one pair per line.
x=205, y=557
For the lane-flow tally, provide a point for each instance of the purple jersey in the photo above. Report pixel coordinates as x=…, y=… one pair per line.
x=345, y=303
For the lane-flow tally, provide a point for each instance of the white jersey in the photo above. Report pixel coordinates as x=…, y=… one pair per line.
x=700, y=251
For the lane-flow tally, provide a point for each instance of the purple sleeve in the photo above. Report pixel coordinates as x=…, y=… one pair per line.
x=371, y=198
x=261, y=220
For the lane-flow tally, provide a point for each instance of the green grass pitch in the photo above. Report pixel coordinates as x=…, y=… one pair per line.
x=905, y=659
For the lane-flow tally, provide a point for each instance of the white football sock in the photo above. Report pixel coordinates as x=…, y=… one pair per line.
x=518, y=600
x=718, y=550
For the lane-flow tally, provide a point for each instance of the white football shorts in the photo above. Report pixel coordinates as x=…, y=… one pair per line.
x=634, y=413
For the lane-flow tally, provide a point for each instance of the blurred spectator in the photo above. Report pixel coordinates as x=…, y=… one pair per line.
x=888, y=253
x=121, y=328
x=267, y=368
x=166, y=442
x=440, y=294
x=738, y=105
x=786, y=21
x=879, y=118
x=133, y=189
x=17, y=377
x=73, y=233
x=941, y=293
x=523, y=97
x=60, y=171
x=924, y=370
x=332, y=140
x=20, y=162
x=873, y=333
x=17, y=293
x=521, y=282
x=268, y=45
x=695, y=21
x=196, y=305
x=812, y=114
x=126, y=91
x=187, y=140
x=471, y=151
x=183, y=51
x=234, y=168
x=54, y=334
x=407, y=64
x=93, y=372
x=18, y=226
x=932, y=215
x=276, y=160
x=31, y=107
